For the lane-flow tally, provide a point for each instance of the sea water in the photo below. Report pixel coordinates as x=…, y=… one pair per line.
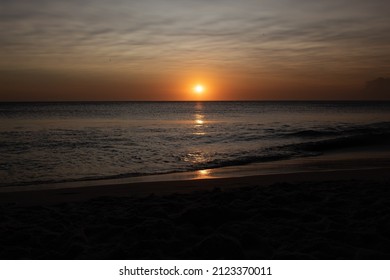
x=64, y=142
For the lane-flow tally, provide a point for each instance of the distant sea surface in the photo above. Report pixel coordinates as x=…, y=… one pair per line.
x=64, y=142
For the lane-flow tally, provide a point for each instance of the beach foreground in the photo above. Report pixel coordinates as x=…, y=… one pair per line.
x=317, y=215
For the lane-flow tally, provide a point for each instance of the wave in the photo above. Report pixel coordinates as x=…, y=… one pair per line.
x=338, y=130
x=363, y=137
x=312, y=142
x=344, y=142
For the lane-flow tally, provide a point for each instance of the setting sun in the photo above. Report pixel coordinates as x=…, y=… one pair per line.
x=198, y=89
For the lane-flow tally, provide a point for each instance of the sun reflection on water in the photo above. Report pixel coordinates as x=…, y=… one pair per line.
x=199, y=120
x=199, y=125
x=199, y=130
x=203, y=174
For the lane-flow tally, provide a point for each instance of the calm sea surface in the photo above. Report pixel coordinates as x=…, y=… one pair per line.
x=59, y=142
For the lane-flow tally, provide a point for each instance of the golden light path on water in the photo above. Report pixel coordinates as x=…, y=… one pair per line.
x=199, y=122
x=199, y=127
x=203, y=174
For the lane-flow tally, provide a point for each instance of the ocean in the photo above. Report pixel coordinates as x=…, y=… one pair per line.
x=68, y=142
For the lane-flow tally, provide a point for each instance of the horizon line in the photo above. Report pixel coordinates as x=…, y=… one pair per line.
x=232, y=100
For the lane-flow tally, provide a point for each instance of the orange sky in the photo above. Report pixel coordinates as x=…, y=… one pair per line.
x=158, y=50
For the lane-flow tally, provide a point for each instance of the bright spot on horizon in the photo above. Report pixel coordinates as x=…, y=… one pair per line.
x=199, y=89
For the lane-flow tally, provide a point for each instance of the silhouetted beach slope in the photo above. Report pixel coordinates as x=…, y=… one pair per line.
x=317, y=215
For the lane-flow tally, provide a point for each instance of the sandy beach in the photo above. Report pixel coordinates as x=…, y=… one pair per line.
x=320, y=214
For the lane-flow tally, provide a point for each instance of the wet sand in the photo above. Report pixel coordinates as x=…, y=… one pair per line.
x=340, y=214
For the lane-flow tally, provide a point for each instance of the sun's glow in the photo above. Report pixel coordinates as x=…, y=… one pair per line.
x=198, y=89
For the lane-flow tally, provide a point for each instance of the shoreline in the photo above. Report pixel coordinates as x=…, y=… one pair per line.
x=348, y=159
x=164, y=188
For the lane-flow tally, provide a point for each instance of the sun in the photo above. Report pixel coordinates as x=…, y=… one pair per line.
x=198, y=89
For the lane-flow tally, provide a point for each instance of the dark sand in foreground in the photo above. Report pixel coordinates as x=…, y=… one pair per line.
x=316, y=215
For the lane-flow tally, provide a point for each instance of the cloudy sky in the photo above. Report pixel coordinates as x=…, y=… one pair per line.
x=158, y=49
